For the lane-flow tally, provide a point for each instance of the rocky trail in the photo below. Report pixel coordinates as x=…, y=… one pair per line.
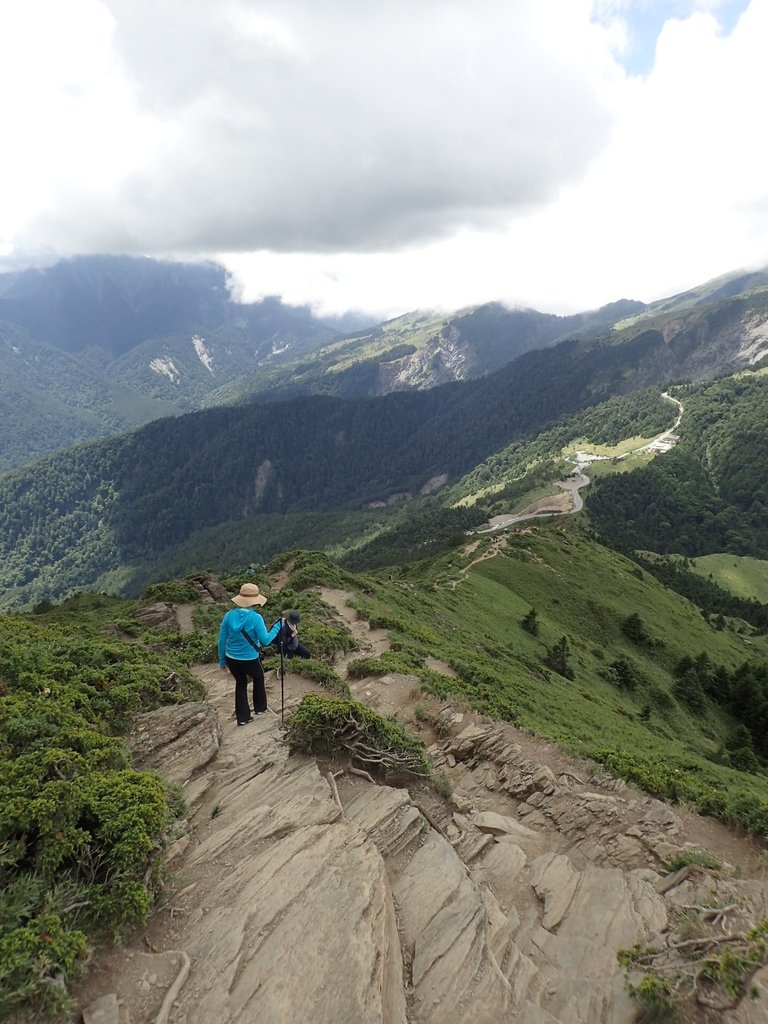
x=298, y=892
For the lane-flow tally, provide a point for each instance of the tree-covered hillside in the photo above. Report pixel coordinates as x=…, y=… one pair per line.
x=710, y=494
x=49, y=399
x=421, y=351
x=72, y=517
x=95, y=345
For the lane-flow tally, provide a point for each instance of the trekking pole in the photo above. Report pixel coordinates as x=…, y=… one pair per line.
x=282, y=686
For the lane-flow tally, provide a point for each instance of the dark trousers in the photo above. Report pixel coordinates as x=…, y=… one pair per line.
x=241, y=670
x=300, y=652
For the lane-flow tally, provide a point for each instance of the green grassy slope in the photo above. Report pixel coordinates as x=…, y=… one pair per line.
x=470, y=615
x=742, y=576
x=717, y=290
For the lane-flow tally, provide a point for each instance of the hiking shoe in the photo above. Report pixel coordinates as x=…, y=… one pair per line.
x=246, y=722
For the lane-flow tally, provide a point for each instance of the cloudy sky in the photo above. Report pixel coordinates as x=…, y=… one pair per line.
x=387, y=156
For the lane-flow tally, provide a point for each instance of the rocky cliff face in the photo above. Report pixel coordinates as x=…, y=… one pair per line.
x=300, y=892
x=447, y=357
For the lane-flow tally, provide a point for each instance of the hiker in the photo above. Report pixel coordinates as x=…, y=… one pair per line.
x=289, y=637
x=242, y=635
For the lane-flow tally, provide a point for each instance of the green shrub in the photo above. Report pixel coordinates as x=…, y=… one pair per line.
x=321, y=673
x=325, y=642
x=558, y=658
x=689, y=781
x=404, y=662
x=172, y=592
x=622, y=674
x=633, y=628
x=530, y=622
x=657, y=1000
x=312, y=568
x=440, y=686
x=362, y=667
x=80, y=831
x=700, y=857
x=39, y=959
x=443, y=785
x=330, y=725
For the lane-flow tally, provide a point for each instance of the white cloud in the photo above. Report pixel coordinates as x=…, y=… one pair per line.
x=391, y=156
x=298, y=126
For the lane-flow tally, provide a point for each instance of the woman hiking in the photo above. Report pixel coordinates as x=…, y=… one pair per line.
x=242, y=635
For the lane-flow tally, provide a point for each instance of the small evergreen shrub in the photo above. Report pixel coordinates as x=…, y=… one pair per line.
x=404, y=662
x=530, y=623
x=558, y=658
x=700, y=857
x=80, y=830
x=330, y=725
x=172, y=592
x=321, y=673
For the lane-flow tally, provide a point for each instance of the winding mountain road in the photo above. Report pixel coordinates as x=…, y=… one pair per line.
x=555, y=505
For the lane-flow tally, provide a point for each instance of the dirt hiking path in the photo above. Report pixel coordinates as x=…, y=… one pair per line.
x=505, y=903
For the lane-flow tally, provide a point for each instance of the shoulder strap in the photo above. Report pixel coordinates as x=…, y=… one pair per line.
x=251, y=641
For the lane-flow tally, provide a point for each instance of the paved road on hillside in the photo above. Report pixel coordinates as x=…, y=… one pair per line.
x=544, y=508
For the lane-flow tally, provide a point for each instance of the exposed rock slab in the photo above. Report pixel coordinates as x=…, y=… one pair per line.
x=445, y=927
x=509, y=906
x=176, y=741
x=287, y=912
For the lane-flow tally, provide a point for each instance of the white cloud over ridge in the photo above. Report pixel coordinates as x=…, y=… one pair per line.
x=387, y=156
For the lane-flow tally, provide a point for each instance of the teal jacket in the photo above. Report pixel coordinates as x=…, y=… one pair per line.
x=232, y=643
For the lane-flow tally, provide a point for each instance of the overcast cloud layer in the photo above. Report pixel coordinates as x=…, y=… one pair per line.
x=388, y=156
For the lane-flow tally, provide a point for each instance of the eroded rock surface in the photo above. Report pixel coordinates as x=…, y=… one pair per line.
x=296, y=899
x=176, y=741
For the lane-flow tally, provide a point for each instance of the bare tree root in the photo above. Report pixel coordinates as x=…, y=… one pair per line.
x=335, y=791
x=173, y=991
x=710, y=970
x=351, y=737
x=429, y=816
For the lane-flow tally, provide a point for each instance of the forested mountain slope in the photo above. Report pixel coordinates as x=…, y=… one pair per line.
x=708, y=495
x=423, y=351
x=49, y=399
x=152, y=338
x=78, y=515
x=717, y=328
x=95, y=345
x=73, y=516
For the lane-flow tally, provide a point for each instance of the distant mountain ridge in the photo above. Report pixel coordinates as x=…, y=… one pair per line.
x=150, y=339
x=116, y=303
x=717, y=328
x=423, y=351
x=128, y=503
x=98, y=345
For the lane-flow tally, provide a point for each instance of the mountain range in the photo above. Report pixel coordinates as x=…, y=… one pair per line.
x=319, y=469
x=94, y=346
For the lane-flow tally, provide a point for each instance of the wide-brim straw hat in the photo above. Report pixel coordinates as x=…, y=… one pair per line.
x=249, y=596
